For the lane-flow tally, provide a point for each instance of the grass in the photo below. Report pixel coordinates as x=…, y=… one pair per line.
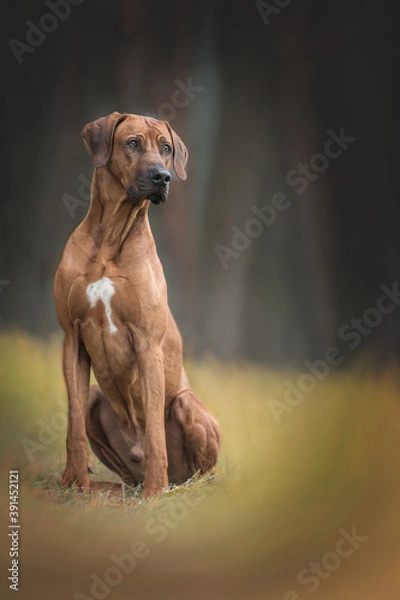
x=108, y=491
x=279, y=496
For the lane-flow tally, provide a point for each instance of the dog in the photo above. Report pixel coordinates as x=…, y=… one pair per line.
x=142, y=420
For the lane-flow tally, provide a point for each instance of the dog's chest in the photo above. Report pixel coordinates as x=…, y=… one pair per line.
x=100, y=301
x=102, y=291
x=111, y=304
x=104, y=308
x=118, y=316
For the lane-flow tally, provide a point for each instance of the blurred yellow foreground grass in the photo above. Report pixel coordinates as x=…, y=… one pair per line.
x=280, y=495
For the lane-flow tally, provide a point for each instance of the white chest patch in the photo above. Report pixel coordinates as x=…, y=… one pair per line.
x=102, y=290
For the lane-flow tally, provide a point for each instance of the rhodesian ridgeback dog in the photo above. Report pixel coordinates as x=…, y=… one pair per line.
x=142, y=420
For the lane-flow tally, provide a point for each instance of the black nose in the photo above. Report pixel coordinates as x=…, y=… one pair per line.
x=160, y=176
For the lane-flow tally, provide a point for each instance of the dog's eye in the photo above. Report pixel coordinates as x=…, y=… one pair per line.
x=133, y=144
x=167, y=149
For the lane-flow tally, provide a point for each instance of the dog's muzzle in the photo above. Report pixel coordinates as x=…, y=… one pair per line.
x=160, y=179
x=154, y=186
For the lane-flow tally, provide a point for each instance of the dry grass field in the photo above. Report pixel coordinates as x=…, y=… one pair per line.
x=282, y=499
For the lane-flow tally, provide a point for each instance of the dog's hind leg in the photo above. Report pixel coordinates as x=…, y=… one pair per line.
x=108, y=442
x=193, y=438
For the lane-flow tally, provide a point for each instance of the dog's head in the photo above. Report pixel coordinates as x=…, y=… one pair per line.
x=139, y=152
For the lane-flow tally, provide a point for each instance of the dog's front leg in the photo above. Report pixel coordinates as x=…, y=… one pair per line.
x=151, y=369
x=76, y=364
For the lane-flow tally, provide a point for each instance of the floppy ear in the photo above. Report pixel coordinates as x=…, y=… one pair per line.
x=180, y=153
x=98, y=137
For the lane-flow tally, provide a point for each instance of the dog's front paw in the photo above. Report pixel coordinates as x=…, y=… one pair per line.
x=148, y=492
x=154, y=486
x=78, y=476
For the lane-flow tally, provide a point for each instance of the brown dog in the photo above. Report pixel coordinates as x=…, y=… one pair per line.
x=143, y=421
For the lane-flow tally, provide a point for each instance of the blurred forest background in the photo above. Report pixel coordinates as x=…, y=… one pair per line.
x=270, y=93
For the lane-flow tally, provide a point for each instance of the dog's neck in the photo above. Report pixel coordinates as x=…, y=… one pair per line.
x=113, y=219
